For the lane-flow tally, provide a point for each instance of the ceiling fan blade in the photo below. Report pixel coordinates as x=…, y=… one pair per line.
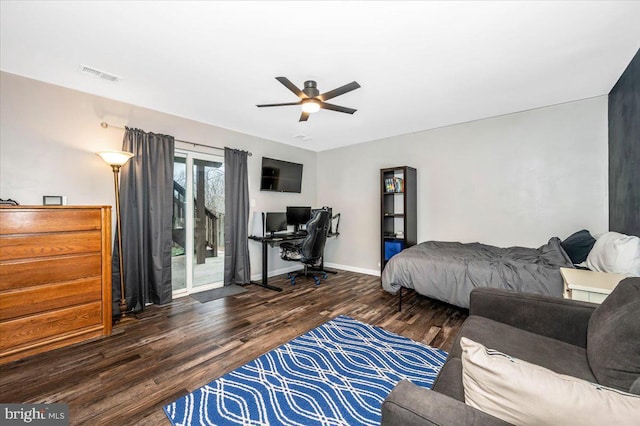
x=339, y=91
x=304, y=116
x=285, y=104
x=338, y=108
x=289, y=85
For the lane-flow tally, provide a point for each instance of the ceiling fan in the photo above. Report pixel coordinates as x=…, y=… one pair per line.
x=311, y=100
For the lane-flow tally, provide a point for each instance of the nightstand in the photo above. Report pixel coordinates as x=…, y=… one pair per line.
x=588, y=286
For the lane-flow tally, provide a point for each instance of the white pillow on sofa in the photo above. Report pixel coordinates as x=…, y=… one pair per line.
x=522, y=393
x=615, y=252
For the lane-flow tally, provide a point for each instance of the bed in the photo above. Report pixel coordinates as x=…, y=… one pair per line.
x=448, y=271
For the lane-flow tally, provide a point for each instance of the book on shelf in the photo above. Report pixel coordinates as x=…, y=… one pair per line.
x=396, y=235
x=394, y=184
x=388, y=183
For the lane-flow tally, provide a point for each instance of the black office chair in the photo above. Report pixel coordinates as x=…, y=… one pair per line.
x=310, y=250
x=335, y=219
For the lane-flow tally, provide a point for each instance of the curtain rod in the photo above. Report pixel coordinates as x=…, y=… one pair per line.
x=106, y=125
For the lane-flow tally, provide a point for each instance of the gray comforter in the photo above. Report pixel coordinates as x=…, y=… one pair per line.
x=448, y=271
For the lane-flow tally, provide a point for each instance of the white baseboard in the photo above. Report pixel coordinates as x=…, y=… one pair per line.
x=258, y=276
x=373, y=272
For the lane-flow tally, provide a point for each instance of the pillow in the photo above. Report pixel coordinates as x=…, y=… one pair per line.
x=522, y=393
x=615, y=252
x=613, y=336
x=578, y=245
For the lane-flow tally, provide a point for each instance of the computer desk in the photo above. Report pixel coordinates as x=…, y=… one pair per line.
x=274, y=241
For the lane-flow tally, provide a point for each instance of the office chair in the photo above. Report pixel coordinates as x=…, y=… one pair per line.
x=332, y=219
x=335, y=219
x=311, y=249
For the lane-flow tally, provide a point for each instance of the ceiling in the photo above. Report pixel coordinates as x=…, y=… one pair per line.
x=421, y=65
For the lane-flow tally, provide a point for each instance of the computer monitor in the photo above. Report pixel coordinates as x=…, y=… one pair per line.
x=275, y=222
x=297, y=216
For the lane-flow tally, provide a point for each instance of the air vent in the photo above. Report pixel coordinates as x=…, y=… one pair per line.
x=302, y=138
x=97, y=73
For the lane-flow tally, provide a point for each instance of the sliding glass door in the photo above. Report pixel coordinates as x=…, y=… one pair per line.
x=198, y=222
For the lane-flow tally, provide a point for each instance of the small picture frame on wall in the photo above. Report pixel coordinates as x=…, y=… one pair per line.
x=52, y=200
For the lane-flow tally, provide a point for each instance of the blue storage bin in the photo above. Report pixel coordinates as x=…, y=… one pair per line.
x=391, y=248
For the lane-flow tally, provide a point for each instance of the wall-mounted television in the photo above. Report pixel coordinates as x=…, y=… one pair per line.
x=280, y=176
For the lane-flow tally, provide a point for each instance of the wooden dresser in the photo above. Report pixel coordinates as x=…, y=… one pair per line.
x=55, y=277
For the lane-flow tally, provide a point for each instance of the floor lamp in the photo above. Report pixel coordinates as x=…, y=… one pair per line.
x=117, y=159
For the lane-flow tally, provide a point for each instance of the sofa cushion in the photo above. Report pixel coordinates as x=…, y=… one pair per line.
x=411, y=405
x=555, y=355
x=526, y=394
x=613, y=337
x=449, y=380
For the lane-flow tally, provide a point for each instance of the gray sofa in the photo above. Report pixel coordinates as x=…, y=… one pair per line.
x=598, y=343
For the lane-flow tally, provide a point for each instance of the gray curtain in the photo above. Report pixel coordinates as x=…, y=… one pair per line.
x=237, y=269
x=146, y=204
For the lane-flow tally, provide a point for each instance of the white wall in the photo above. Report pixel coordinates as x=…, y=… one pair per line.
x=511, y=180
x=49, y=136
x=517, y=179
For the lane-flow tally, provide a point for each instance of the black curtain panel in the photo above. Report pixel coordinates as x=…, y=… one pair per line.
x=237, y=268
x=146, y=204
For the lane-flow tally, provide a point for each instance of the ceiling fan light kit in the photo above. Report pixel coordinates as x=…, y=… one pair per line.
x=311, y=100
x=310, y=106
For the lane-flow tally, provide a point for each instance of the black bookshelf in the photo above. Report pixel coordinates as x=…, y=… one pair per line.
x=398, y=211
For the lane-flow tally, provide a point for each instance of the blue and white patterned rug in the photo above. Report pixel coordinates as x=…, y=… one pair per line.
x=336, y=374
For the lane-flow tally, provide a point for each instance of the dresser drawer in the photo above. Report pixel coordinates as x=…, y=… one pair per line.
x=23, y=273
x=588, y=296
x=42, y=245
x=32, y=300
x=31, y=330
x=31, y=221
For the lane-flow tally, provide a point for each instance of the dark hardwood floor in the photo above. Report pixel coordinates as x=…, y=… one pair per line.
x=126, y=378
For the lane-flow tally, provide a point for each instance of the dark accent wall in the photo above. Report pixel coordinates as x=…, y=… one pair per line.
x=624, y=151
